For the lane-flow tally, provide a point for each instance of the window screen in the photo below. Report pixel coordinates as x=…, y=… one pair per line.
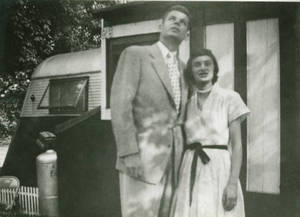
x=65, y=96
x=223, y=49
x=263, y=97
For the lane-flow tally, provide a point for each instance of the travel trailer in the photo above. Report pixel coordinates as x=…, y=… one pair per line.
x=257, y=45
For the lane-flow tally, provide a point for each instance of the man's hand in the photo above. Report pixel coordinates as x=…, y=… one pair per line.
x=134, y=165
x=229, y=197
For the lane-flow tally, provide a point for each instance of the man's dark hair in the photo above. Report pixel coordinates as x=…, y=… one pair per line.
x=179, y=8
x=188, y=74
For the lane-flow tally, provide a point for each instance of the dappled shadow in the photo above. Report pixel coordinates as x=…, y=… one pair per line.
x=263, y=149
x=156, y=133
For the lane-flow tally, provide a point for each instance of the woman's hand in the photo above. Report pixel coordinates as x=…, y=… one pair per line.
x=229, y=196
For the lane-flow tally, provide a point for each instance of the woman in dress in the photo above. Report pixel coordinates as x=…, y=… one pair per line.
x=209, y=175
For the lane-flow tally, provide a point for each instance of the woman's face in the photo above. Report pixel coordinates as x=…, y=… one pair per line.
x=202, y=69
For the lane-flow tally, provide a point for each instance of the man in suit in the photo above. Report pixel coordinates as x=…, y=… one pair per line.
x=147, y=104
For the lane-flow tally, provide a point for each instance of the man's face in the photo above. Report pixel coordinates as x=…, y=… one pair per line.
x=175, y=25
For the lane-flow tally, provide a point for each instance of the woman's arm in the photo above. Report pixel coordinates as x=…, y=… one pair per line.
x=230, y=191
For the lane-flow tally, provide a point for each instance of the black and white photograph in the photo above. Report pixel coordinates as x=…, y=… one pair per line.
x=126, y=108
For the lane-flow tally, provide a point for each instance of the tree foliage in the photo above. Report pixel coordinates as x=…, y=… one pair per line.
x=78, y=30
x=36, y=30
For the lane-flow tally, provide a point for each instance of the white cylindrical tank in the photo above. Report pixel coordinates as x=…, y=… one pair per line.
x=47, y=183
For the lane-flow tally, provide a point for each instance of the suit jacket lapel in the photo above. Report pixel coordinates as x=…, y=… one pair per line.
x=161, y=69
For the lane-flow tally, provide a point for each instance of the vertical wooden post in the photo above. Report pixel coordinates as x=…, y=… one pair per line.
x=240, y=84
x=290, y=110
x=197, y=29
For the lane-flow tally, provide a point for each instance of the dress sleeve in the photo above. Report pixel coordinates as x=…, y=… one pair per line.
x=237, y=108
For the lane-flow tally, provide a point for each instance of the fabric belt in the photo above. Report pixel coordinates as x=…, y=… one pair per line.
x=199, y=152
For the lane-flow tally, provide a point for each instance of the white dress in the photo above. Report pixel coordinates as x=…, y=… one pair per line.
x=210, y=126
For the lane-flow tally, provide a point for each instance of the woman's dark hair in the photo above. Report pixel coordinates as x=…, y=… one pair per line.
x=188, y=74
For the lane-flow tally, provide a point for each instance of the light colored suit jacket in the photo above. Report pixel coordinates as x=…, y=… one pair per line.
x=144, y=116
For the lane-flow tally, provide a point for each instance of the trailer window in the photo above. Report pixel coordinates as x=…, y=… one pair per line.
x=66, y=96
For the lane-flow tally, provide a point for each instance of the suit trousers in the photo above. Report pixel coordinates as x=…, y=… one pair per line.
x=141, y=199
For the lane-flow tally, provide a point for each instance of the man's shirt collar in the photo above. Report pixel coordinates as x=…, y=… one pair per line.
x=165, y=51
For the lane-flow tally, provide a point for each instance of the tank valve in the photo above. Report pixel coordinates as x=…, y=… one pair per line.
x=46, y=140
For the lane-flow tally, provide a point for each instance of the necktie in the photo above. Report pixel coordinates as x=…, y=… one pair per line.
x=174, y=76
